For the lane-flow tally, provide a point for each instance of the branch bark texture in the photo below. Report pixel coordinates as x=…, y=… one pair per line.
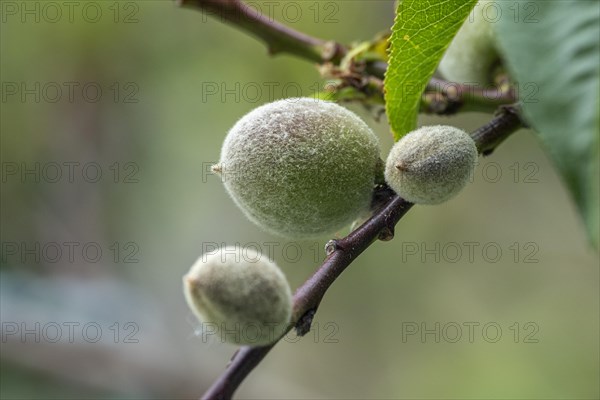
x=278, y=37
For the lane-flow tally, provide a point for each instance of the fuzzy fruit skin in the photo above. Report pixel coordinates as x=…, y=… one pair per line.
x=431, y=164
x=300, y=168
x=473, y=52
x=242, y=294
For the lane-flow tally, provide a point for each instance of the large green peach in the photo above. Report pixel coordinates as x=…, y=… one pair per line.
x=300, y=167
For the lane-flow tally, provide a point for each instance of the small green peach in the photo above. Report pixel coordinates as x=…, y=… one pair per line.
x=431, y=164
x=473, y=53
x=241, y=294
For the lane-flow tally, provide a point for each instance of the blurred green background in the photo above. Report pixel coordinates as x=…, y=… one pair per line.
x=505, y=264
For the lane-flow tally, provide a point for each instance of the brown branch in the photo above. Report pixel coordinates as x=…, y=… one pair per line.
x=343, y=252
x=441, y=97
x=444, y=97
x=278, y=37
x=507, y=120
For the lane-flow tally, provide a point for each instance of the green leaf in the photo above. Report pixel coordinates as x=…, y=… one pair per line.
x=553, y=52
x=422, y=31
